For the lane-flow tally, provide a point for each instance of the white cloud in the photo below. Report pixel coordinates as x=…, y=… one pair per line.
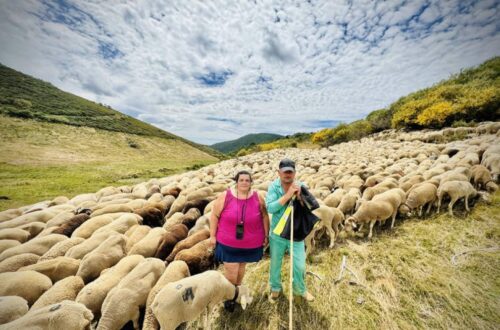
x=273, y=66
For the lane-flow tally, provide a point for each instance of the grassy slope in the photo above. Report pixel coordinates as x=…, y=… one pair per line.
x=244, y=141
x=408, y=280
x=40, y=160
x=24, y=96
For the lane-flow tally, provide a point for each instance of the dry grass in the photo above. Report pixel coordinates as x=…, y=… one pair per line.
x=406, y=280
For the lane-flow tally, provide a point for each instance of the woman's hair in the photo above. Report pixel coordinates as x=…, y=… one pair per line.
x=243, y=172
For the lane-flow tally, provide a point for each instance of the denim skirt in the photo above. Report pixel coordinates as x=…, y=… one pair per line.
x=224, y=253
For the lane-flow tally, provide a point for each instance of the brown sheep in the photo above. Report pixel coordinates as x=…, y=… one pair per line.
x=173, y=192
x=151, y=216
x=188, y=243
x=481, y=178
x=189, y=219
x=199, y=258
x=200, y=204
x=169, y=240
x=70, y=226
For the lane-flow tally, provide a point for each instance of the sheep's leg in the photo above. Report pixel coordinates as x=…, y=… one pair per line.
x=371, y=228
x=439, y=204
x=135, y=319
x=394, y=217
x=361, y=227
x=428, y=208
x=420, y=209
x=467, y=203
x=332, y=235
x=450, y=206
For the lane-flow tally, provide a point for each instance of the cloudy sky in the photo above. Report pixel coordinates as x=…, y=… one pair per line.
x=212, y=71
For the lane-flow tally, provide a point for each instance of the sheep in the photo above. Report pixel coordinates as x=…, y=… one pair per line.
x=139, y=233
x=107, y=254
x=80, y=250
x=94, y=293
x=27, y=284
x=199, y=194
x=65, y=289
x=423, y=194
x=333, y=200
x=90, y=226
x=199, y=257
x=481, y=177
x=395, y=196
x=149, y=244
x=60, y=219
x=37, y=246
x=369, y=212
x=34, y=228
x=17, y=234
x=60, y=249
x=63, y=315
x=199, y=204
x=10, y=214
x=189, y=219
x=12, y=308
x=202, y=222
x=37, y=216
x=348, y=202
x=184, y=300
x=56, y=269
x=151, y=216
x=120, y=225
x=330, y=218
x=175, y=191
x=188, y=242
x=69, y=227
x=175, y=271
x=169, y=239
x=6, y=244
x=113, y=208
x=177, y=206
x=456, y=190
x=13, y=263
x=124, y=301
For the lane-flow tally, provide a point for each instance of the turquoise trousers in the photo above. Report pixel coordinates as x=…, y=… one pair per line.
x=278, y=247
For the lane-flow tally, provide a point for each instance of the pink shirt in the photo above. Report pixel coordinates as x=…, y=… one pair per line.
x=253, y=232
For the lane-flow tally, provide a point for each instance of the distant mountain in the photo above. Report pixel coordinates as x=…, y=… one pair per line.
x=23, y=96
x=244, y=141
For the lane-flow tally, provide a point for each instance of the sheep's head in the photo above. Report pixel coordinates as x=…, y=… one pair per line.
x=350, y=224
x=404, y=209
x=491, y=187
x=244, y=296
x=484, y=197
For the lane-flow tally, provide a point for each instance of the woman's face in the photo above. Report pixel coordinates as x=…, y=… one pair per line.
x=244, y=182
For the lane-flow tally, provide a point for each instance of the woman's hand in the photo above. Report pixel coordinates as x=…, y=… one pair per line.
x=212, y=242
x=266, y=241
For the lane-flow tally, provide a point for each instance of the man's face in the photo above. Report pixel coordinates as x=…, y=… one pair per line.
x=286, y=176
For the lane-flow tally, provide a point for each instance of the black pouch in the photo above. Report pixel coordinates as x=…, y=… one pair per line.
x=239, y=230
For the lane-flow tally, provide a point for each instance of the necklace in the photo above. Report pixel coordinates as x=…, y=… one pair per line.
x=243, y=209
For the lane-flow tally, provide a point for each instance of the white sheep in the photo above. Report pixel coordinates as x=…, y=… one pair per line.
x=424, y=193
x=124, y=301
x=394, y=196
x=79, y=251
x=456, y=190
x=12, y=308
x=330, y=218
x=13, y=263
x=62, y=315
x=65, y=289
x=147, y=246
x=59, y=249
x=107, y=254
x=15, y=234
x=94, y=293
x=56, y=269
x=27, y=284
x=37, y=246
x=175, y=271
x=186, y=299
x=369, y=212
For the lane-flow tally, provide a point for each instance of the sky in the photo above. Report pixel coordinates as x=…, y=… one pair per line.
x=213, y=71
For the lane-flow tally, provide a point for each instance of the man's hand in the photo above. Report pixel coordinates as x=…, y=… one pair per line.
x=293, y=190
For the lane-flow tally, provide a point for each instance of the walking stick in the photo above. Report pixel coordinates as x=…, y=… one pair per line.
x=290, y=312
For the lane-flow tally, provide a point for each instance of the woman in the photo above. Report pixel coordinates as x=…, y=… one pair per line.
x=239, y=228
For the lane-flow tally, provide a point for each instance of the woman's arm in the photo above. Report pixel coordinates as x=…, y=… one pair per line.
x=265, y=218
x=215, y=215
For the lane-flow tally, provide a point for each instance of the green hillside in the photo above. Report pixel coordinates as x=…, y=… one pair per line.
x=468, y=97
x=244, y=141
x=26, y=97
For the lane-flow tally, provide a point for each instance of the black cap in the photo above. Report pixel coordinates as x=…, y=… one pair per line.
x=287, y=165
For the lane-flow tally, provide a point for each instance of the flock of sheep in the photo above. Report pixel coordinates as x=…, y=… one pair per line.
x=101, y=259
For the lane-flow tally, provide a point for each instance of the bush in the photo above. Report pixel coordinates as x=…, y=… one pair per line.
x=379, y=120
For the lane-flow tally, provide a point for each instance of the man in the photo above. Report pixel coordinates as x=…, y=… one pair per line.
x=279, y=194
